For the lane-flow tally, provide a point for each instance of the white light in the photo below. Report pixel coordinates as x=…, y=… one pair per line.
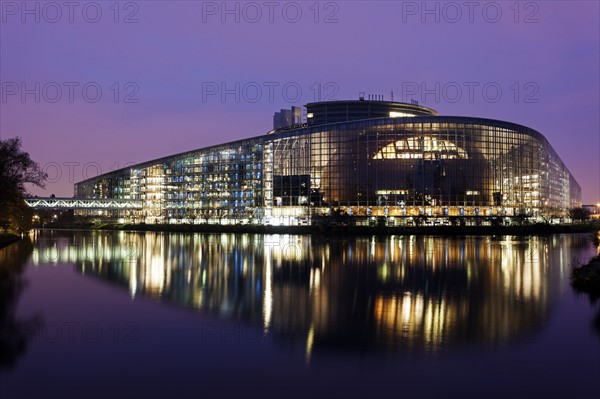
x=268, y=293
x=395, y=114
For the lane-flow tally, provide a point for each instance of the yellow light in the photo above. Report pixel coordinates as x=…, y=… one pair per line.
x=309, y=343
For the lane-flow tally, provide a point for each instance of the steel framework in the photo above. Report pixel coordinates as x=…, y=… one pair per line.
x=82, y=203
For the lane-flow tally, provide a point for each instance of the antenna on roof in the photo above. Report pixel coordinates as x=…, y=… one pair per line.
x=361, y=96
x=392, y=96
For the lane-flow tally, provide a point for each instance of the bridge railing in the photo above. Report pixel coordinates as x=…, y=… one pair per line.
x=82, y=203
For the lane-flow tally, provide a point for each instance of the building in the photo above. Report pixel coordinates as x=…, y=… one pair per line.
x=368, y=161
x=287, y=118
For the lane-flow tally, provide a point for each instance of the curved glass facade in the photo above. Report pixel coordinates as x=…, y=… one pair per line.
x=393, y=170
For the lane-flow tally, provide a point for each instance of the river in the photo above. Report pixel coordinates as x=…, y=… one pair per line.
x=146, y=314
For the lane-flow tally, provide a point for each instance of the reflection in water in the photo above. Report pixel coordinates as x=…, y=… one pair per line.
x=593, y=297
x=13, y=331
x=399, y=292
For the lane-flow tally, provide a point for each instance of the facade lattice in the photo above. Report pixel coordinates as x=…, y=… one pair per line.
x=414, y=165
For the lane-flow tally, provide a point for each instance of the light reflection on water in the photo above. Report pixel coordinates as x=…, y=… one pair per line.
x=397, y=292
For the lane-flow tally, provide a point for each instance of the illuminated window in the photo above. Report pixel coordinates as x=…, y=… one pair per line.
x=425, y=147
x=395, y=114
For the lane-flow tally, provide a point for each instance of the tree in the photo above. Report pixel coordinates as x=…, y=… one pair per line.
x=579, y=213
x=16, y=170
x=522, y=218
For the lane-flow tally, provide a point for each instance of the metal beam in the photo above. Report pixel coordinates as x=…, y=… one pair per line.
x=82, y=203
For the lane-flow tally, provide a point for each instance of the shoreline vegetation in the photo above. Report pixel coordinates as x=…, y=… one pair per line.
x=7, y=238
x=530, y=229
x=586, y=278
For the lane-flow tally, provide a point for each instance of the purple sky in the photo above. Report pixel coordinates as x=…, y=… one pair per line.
x=544, y=57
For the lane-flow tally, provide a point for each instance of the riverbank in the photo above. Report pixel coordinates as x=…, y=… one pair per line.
x=8, y=238
x=531, y=229
x=586, y=278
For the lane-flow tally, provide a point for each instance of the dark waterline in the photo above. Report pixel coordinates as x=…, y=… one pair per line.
x=130, y=314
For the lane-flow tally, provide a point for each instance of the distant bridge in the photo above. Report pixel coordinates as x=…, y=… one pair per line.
x=82, y=203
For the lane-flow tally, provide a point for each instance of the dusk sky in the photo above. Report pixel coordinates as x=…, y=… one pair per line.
x=91, y=86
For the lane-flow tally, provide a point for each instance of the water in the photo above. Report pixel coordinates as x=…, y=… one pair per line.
x=127, y=314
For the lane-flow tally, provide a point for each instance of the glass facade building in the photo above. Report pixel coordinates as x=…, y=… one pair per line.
x=409, y=167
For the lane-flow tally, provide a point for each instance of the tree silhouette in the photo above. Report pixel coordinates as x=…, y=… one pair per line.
x=16, y=170
x=579, y=213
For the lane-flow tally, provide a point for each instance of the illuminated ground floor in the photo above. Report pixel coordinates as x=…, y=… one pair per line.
x=344, y=216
